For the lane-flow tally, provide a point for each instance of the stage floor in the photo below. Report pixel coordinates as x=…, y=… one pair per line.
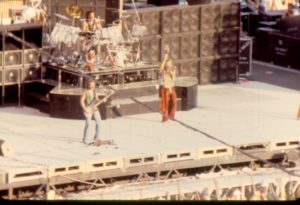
x=235, y=113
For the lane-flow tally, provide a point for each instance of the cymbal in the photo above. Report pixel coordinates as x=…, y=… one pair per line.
x=62, y=17
x=74, y=11
x=84, y=19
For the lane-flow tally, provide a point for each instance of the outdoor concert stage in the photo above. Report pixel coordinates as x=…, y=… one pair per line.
x=257, y=117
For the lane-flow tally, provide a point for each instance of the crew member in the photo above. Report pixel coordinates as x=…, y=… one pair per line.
x=281, y=4
x=87, y=99
x=91, y=23
x=257, y=5
x=290, y=11
x=168, y=93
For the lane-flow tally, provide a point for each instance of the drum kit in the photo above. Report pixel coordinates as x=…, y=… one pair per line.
x=110, y=47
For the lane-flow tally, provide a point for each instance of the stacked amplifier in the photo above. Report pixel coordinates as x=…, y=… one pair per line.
x=20, y=63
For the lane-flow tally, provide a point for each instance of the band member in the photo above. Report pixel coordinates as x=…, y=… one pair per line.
x=168, y=94
x=91, y=23
x=87, y=98
x=90, y=59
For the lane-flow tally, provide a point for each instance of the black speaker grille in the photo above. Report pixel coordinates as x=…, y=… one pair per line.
x=12, y=76
x=32, y=74
x=189, y=46
x=13, y=58
x=31, y=57
x=229, y=41
x=209, y=71
x=190, y=19
x=189, y=69
x=171, y=21
x=230, y=15
x=210, y=17
x=209, y=44
x=150, y=50
x=152, y=22
x=228, y=69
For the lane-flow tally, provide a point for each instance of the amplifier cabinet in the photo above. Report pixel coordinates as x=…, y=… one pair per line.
x=11, y=76
x=31, y=73
x=31, y=56
x=13, y=58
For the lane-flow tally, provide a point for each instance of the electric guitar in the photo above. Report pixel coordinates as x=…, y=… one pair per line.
x=88, y=112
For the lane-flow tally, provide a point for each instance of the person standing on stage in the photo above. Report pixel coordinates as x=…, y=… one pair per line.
x=168, y=94
x=87, y=98
x=91, y=23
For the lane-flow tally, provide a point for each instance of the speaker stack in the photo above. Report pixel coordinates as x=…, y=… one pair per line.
x=11, y=58
x=203, y=39
x=21, y=63
x=150, y=46
x=190, y=19
x=209, y=71
x=32, y=59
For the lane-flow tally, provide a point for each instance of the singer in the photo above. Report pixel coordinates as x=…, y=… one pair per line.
x=168, y=93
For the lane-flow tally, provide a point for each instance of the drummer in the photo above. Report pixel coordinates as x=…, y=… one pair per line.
x=91, y=23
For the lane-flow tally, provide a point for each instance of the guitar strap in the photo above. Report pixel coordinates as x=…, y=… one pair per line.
x=87, y=98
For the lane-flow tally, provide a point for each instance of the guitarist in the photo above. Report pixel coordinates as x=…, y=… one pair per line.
x=88, y=98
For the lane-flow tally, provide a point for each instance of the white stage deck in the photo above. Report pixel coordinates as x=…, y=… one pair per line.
x=235, y=113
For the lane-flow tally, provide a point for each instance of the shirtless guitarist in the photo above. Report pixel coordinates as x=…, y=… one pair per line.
x=89, y=102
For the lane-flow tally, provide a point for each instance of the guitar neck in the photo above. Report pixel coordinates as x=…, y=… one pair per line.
x=96, y=104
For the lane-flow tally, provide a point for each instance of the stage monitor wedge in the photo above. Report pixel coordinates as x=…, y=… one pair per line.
x=163, y=2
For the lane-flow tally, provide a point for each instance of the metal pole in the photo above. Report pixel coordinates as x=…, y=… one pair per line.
x=3, y=70
x=59, y=79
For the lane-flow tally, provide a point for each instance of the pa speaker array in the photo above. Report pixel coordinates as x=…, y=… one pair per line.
x=189, y=68
x=174, y=44
x=229, y=42
x=227, y=69
x=203, y=39
x=189, y=45
x=152, y=22
x=12, y=76
x=190, y=19
x=13, y=58
x=31, y=56
x=18, y=63
x=32, y=73
x=209, y=44
x=171, y=21
x=150, y=49
x=230, y=15
x=209, y=71
x=210, y=17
